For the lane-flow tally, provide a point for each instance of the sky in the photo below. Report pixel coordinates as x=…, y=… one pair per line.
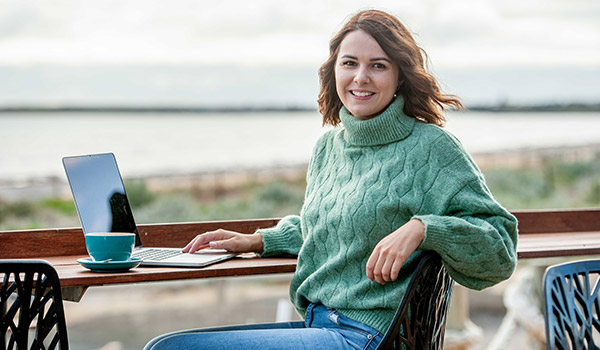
x=267, y=52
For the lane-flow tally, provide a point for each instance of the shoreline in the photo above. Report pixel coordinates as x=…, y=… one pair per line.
x=573, y=106
x=216, y=181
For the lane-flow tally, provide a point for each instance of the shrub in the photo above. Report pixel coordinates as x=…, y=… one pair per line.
x=138, y=193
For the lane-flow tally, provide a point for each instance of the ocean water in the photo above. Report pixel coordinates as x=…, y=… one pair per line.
x=32, y=144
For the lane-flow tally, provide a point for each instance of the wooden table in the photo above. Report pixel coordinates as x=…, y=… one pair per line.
x=556, y=233
x=62, y=248
x=75, y=279
x=72, y=274
x=541, y=234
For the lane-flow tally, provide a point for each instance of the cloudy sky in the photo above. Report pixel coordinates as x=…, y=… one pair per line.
x=268, y=51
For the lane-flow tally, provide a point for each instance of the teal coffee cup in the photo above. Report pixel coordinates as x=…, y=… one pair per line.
x=113, y=246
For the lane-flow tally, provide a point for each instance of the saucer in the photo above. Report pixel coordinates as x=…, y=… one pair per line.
x=109, y=266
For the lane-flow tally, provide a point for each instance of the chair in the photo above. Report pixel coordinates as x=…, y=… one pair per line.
x=420, y=321
x=30, y=297
x=571, y=305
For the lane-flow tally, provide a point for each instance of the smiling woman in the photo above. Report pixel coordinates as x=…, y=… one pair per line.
x=366, y=79
x=373, y=59
x=380, y=190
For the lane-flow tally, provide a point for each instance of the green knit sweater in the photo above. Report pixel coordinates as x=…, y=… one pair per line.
x=367, y=179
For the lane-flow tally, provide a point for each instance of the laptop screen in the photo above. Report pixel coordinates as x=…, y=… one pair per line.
x=99, y=194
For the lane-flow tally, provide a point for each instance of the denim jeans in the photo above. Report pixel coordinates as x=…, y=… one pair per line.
x=324, y=328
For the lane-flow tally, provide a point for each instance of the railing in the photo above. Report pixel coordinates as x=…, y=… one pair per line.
x=542, y=233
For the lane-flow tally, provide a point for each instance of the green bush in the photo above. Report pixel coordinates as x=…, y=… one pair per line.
x=17, y=209
x=62, y=206
x=276, y=192
x=556, y=183
x=138, y=193
x=172, y=208
x=567, y=173
x=592, y=193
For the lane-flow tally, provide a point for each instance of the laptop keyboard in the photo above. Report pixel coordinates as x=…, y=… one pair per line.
x=156, y=254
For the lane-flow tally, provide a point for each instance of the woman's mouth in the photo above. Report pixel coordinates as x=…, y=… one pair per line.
x=361, y=93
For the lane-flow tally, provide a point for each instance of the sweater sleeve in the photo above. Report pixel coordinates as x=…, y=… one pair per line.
x=283, y=239
x=478, y=247
x=475, y=236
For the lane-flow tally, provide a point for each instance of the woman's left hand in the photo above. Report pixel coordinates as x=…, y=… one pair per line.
x=391, y=252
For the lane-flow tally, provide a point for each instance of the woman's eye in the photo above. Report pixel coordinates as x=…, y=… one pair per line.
x=379, y=66
x=348, y=63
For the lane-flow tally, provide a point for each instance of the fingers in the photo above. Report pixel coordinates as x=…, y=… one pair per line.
x=384, y=266
x=205, y=238
x=227, y=244
x=386, y=269
x=391, y=252
x=395, y=272
x=229, y=240
x=193, y=245
x=370, y=268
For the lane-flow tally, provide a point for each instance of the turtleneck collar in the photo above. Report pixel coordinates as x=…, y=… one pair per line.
x=390, y=126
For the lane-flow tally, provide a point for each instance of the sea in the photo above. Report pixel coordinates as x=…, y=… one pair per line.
x=148, y=144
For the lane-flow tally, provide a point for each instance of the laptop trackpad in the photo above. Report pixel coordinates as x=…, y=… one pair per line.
x=203, y=255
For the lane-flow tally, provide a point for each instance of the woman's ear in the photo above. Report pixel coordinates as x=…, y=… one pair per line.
x=398, y=88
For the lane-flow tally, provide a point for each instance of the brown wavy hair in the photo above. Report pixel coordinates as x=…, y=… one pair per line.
x=423, y=98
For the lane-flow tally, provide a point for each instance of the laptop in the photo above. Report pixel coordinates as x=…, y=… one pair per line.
x=103, y=206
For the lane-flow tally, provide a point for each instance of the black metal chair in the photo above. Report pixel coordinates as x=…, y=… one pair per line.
x=32, y=309
x=572, y=306
x=420, y=321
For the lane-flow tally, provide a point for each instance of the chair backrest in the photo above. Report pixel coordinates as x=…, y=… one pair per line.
x=571, y=305
x=30, y=297
x=420, y=321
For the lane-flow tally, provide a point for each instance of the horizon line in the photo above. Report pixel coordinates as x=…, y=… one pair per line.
x=68, y=108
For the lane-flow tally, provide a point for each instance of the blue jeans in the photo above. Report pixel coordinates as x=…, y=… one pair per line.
x=324, y=328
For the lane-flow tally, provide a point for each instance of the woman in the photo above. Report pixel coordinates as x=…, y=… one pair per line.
x=385, y=186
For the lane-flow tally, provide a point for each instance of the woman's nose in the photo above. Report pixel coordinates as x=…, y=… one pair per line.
x=361, y=76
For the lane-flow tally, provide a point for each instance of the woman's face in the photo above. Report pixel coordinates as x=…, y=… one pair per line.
x=365, y=77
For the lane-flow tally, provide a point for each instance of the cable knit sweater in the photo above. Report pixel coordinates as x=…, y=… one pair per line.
x=367, y=179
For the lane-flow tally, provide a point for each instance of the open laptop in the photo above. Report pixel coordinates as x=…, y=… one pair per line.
x=103, y=206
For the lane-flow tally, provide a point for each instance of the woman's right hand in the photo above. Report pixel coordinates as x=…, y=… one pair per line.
x=231, y=241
